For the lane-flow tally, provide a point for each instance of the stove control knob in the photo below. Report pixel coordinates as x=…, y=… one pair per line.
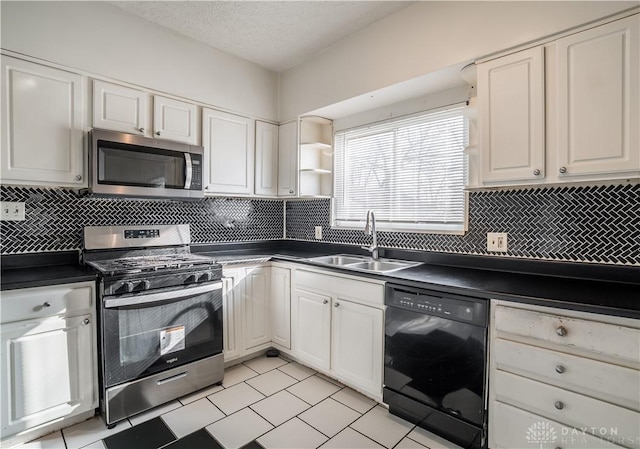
x=144, y=285
x=127, y=286
x=205, y=277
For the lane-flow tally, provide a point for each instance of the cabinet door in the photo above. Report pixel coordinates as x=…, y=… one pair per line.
x=43, y=125
x=511, y=120
x=288, y=159
x=174, y=120
x=47, y=367
x=281, y=306
x=356, y=344
x=257, y=310
x=228, y=142
x=119, y=108
x=232, y=285
x=266, y=175
x=310, y=325
x=598, y=99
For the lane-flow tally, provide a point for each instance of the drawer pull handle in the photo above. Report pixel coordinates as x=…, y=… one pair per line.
x=561, y=330
x=86, y=321
x=560, y=369
x=559, y=405
x=46, y=304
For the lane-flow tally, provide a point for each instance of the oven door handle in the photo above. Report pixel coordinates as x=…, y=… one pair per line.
x=162, y=296
x=188, y=171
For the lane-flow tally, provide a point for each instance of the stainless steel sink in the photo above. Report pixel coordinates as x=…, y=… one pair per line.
x=340, y=259
x=358, y=263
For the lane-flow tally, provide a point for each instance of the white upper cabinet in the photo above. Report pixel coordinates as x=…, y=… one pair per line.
x=511, y=97
x=119, y=108
x=43, y=125
x=598, y=97
x=288, y=159
x=228, y=142
x=266, y=168
x=175, y=120
x=566, y=111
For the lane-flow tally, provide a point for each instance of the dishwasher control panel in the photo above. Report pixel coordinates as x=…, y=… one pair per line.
x=455, y=307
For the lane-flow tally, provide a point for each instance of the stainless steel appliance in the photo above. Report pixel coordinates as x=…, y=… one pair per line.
x=435, y=362
x=125, y=164
x=160, y=310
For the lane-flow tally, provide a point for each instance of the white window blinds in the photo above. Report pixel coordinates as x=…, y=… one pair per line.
x=410, y=171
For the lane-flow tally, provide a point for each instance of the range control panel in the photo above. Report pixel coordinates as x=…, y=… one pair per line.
x=455, y=307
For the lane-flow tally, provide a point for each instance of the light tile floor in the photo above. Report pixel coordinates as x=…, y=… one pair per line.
x=262, y=403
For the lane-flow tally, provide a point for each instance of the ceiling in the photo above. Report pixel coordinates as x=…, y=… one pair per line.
x=274, y=34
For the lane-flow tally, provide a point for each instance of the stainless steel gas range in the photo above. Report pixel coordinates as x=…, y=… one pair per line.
x=160, y=310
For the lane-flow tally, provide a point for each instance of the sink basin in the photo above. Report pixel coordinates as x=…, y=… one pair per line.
x=358, y=263
x=340, y=259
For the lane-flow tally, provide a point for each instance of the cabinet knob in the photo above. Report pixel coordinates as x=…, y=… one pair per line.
x=536, y=172
x=561, y=330
x=560, y=369
x=86, y=321
x=563, y=169
x=206, y=188
x=78, y=177
x=157, y=133
x=141, y=130
x=336, y=304
x=46, y=304
x=559, y=405
x=291, y=191
x=326, y=301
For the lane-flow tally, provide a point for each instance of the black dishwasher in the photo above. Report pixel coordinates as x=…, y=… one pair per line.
x=435, y=362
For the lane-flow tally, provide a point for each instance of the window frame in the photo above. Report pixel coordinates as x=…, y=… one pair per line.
x=457, y=228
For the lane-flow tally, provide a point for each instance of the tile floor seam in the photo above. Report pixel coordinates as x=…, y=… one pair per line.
x=208, y=399
x=417, y=442
x=287, y=389
x=376, y=441
x=326, y=399
x=347, y=405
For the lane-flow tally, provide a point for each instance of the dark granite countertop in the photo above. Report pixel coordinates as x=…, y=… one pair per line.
x=611, y=290
x=37, y=270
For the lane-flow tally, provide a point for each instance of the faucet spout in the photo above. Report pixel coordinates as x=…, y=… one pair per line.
x=370, y=229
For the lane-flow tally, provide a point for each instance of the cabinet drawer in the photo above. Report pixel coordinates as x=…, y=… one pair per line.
x=38, y=302
x=526, y=429
x=572, y=409
x=569, y=334
x=360, y=291
x=612, y=383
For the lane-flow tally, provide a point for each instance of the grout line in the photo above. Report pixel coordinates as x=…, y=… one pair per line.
x=367, y=436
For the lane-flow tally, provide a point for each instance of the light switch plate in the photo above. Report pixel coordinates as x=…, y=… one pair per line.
x=12, y=211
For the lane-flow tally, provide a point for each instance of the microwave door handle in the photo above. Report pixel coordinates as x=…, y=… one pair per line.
x=188, y=171
x=148, y=298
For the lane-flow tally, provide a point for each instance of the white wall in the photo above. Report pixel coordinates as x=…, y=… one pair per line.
x=425, y=38
x=102, y=39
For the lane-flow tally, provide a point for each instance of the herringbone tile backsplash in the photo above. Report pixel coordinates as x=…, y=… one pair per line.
x=55, y=218
x=598, y=224
x=584, y=224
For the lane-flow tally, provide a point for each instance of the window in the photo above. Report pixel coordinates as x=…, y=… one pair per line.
x=410, y=171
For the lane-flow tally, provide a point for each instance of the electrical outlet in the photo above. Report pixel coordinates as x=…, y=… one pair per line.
x=318, y=232
x=12, y=211
x=497, y=241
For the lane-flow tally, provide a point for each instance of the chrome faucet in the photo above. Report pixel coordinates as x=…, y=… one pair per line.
x=370, y=229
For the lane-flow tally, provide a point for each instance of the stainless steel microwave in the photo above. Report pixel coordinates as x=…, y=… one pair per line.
x=125, y=164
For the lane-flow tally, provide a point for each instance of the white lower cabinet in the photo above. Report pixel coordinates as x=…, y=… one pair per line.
x=338, y=327
x=48, y=363
x=561, y=378
x=256, y=309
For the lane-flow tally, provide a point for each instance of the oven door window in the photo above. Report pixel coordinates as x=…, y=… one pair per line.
x=436, y=361
x=130, y=165
x=149, y=338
